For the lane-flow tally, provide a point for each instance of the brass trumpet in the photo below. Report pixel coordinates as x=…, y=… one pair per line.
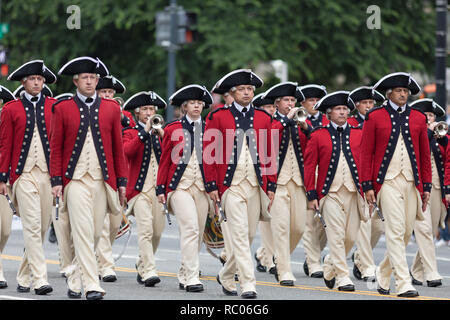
x=157, y=121
x=441, y=129
x=300, y=115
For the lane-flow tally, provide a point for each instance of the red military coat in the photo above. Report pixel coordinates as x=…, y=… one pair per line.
x=321, y=121
x=380, y=134
x=287, y=129
x=219, y=169
x=355, y=121
x=323, y=150
x=18, y=118
x=138, y=146
x=71, y=119
x=177, y=148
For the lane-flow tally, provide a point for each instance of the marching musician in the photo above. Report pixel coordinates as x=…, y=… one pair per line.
x=87, y=159
x=289, y=207
x=106, y=88
x=314, y=238
x=264, y=254
x=24, y=159
x=142, y=146
x=424, y=266
x=181, y=179
x=5, y=210
x=370, y=231
x=334, y=151
x=241, y=174
x=396, y=174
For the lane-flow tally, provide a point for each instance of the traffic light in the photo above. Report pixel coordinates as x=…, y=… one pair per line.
x=185, y=27
x=187, y=22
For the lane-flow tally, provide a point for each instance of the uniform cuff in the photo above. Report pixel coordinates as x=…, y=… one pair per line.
x=426, y=187
x=271, y=186
x=447, y=190
x=211, y=186
x=121, y=182
x=367, y=185
x=160, y=189
x=4, y=176
x=56, y=181
x=125, y=122
x=312, y=195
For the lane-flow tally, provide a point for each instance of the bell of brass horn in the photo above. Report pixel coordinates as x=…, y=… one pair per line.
x=157, y=121
x=301, y=115
x=441, y=129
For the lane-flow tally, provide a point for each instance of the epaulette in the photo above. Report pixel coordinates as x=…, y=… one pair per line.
x=171, y=123
x=317, y=128
x=219, y=109
x=58, y=101
x=372, y=110
x=262, y=110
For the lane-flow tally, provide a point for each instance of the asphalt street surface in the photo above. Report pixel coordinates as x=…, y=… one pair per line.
x=168, y=261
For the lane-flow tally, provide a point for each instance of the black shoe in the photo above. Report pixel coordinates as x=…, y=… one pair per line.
x=139, y=279
x=317, y=274
x=409, y=294
x=194, y=288
x=110, y=278
x=225, y=291
x=52, y=235
x=369, y=279
x=347, y=287
x=248, y=295
x=330, y=283
x=3, y=284
x=273, y=270
x=236, y=278
x=415, y=281
x=181, y=286
x=356, y=272
x=73, y=295
x=23, y=289
x=434, y=283
x=259, y=266
x=150, y=282
x=94, y=295
x=287, y=283
x=43, y=290
x=383, y=291
x=305, y=268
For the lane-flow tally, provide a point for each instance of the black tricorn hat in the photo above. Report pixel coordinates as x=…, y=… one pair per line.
x=284, y=89
x=338, y=98
x=191, y=92
x=237, y=78
x=5, y=94
x=45, y=91
x=259, y=101
x=35, y=67
x=365, y=92
x=110, y=82
x=397, y=80
x=84, y=65
x=428, y=105
x=313, y=91
x=144, y=98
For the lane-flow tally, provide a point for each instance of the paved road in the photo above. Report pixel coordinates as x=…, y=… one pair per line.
x=168, y=257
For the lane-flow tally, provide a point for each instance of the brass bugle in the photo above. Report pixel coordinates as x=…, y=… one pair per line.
x=441, y=129
x=157, y=121
x=300, y=115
